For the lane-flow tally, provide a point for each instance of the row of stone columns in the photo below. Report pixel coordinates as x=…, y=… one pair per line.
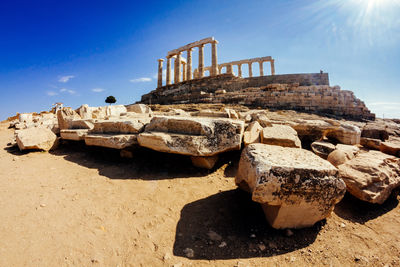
x=229, y=68
x=186, y=72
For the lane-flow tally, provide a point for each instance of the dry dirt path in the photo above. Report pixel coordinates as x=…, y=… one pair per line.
x=84, y=206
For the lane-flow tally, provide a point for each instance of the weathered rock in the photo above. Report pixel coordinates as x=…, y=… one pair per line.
x=371, y=176
x=370, y=143
x=74, y=134
x=25, y=117
x=261, y=118
x=65, y=116
x=348, y=148
x=139, y=108
x=36, y=138
x=322, y=148
x=339, y=157
x=375, y=131
x=81, y=124
x=123, y=126
x=312, y=130
x=346, y=134
x=115, y=110
x=192, y=136
x=252, y=133
x=117, y=141
x=391, y=147
x=295, y=187
x=232, y=114
x=204, y=162
x=212, y=113
x=280, y=135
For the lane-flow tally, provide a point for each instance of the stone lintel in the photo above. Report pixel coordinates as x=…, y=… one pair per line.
x=246, y=61
x=191, y=45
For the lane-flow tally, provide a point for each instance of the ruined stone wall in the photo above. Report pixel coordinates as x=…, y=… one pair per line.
x=302, y=92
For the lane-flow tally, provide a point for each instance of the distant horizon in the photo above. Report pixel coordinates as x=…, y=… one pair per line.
x=79, y=53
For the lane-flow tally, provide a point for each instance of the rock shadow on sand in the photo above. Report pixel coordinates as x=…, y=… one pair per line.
x=146, y=164
x=358, y=211
x=229, y=225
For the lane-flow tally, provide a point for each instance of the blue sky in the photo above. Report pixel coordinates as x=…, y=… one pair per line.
x=79, y=52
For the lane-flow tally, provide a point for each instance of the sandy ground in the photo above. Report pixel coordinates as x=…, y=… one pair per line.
x=85, y=206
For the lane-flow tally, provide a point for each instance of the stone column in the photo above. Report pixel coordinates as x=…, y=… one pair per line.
x=239, y=70
x=261, y=68
x=177, y=68
x=201, y=61
x=272, y=67
x=214, y=59
x=189, y=65
x=183, y=71
x=160, y=68
x=168, y=78
x=229, y=69
x=219, y=69
x=250, y=70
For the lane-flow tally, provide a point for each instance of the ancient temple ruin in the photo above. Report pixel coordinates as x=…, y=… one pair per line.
x=308, y=92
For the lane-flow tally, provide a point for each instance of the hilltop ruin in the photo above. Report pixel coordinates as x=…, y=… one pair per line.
x=309, y=92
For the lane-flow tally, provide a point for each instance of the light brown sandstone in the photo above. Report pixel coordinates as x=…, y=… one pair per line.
x=280, y=135
x=36, y=138
x=204, y=162
x=322, y=148
x=74, y=134
x=371, y=176
x=252, y=133
x=116, y=141
x=370, y=143
x=295, y=187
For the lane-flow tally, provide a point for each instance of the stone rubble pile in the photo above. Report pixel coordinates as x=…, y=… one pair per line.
x=297, y=168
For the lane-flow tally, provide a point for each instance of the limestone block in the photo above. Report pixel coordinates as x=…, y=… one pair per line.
x=371, y=176
x=86, y=112
x=81, y=124
x=204, y=162
x=252, y=133
x=261, y=118
x=280, y=135
x=376, y=131
x=212, y=114
x=346, y=134
x=123, y=126
x=65, y=116
x=312, y=130
x=74, y=134
x=295, y=187
x=115, y=110
x=391, y=146
x=25, y=117
x=322, y=148
x=36, y=138
x=192, y=136
x=117, y=141
x=370, y=143
x=139, y=108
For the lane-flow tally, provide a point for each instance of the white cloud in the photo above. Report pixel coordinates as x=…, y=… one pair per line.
x=98, y=90
x=140, y=80
x=64, y=79
x=63, y=90
x=72, y=92
x=69, y=91
x=51, y=93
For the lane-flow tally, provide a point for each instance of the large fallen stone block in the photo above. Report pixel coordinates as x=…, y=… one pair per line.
x=280, y=135
x=371, y=176
x=192, y=136
x=313, y=130
x=252, y=133
x=376, y=131
x=74, y=134
x=295, y=187
x=346, y=134
x=117, y=141
x=36, y=138
x=370, y=143
x=391, y=146
x=25, y=117
x=123, y=126
x=139, y=108
x=65, y=116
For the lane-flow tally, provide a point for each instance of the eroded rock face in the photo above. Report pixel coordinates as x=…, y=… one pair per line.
x=370, y=143
x=391, y=146
x=123, y=126
x=295, y=187
x=346, y=134
x=36, y=138
x=192, y=136
x=139, y=108
x=376, y=131
x=74, y=134
x=280, y=135
x=371, y=176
